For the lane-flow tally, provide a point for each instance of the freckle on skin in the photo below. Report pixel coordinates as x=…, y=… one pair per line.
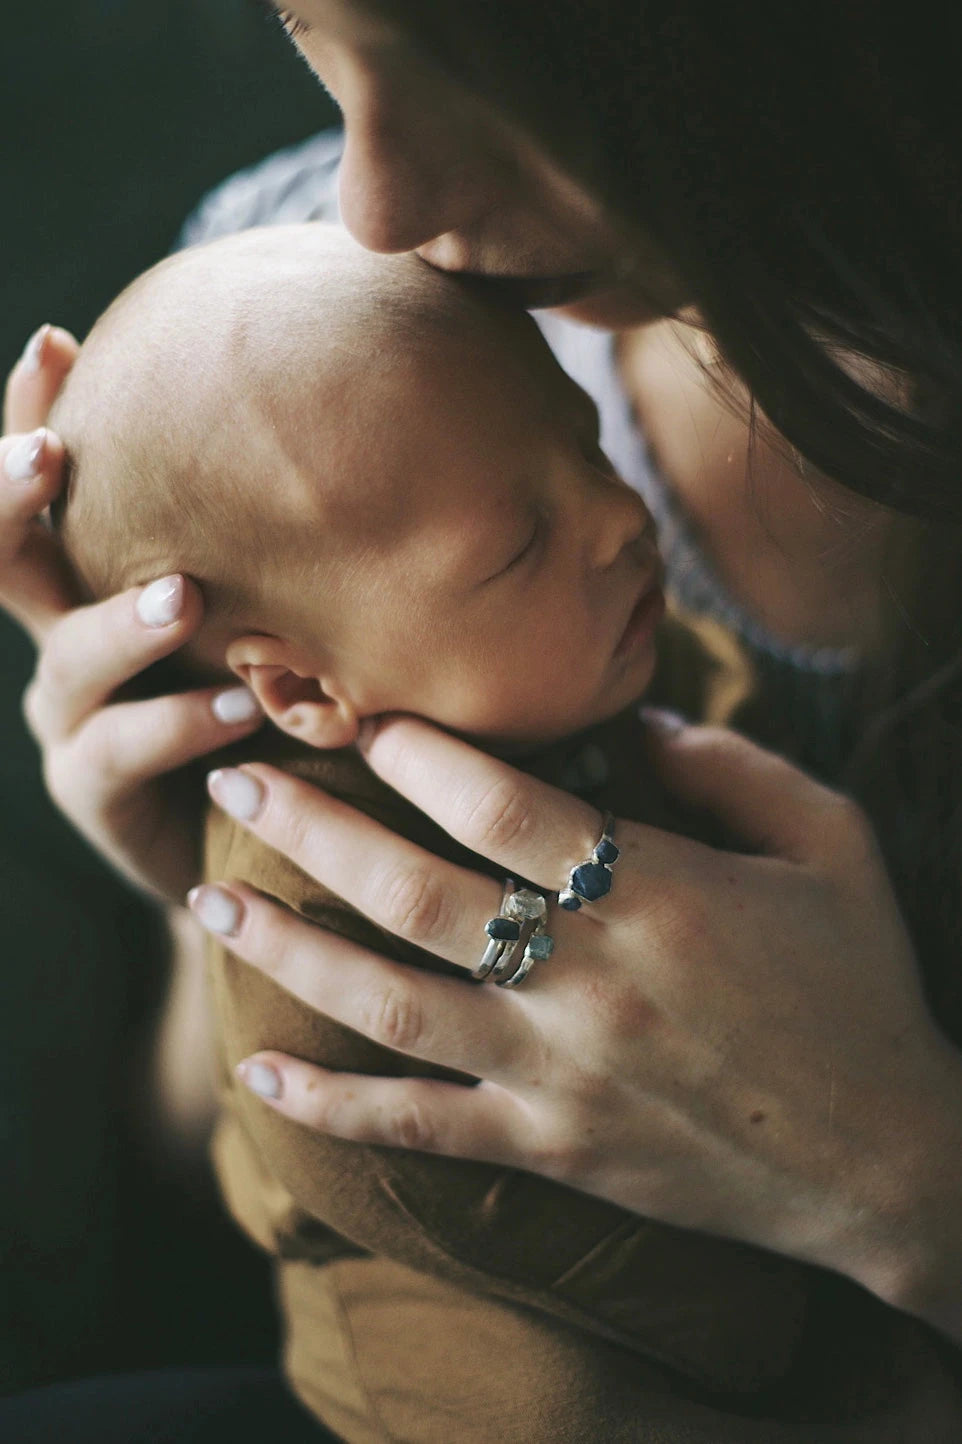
x=757, y=1117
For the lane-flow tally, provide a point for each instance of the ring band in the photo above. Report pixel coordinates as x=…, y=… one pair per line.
x=591, y=879
x=530, y=911
x=521, y=924
x=539, y=946
x=498, y=936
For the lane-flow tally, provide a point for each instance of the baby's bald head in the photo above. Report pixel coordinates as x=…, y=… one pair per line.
x=390, y=493
x=220, y=409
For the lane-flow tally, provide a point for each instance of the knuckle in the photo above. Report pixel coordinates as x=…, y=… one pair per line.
x=848, y=827
x=568, y=1156
x=415, y=905
x=394, y=1017
x=56, y=777
x=499, y=820
x=410, y=1127
x=30, y=707
x=293, y=828
x=54, y=672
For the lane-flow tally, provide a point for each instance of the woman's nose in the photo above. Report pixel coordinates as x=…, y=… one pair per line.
x=619, y=518
x=402, y=185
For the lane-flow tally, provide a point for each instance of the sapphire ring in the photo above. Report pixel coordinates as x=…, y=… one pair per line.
x=519, y=927
x=591, y=879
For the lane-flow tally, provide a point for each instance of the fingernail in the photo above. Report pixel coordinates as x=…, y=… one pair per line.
x=261, y=1079
x=25, y=459
x=237, y=704
x=32, y=358
x=216, y=909
x=236, y=792
x=663, y=720
x=162, y=602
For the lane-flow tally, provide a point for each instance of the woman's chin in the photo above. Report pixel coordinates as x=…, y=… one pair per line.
x=619, y=308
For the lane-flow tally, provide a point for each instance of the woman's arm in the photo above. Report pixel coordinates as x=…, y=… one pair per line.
x=104, y=763
x=734, y=1043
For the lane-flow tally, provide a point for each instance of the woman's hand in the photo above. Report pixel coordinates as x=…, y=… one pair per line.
x=735, y=1043
x=104, y=764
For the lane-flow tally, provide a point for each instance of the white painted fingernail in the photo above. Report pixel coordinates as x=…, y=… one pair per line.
x=216, y=909
x=261, y=1079
x=237, y=704
x=162, y=602
x=236, y=792
x=663, y=720
x=32, y=358
x=25, y=459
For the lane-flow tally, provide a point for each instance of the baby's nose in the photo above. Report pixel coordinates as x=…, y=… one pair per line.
x=620, y=519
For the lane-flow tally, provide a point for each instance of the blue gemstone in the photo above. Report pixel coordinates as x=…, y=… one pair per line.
x=606, y=851
x=504, y=930
x=591, y=880
x=541, y=946
x=569, y=902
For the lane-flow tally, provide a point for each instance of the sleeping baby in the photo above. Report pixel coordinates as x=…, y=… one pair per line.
x=394, y=500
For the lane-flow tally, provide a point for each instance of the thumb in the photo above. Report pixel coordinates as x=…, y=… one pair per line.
x=767, y=802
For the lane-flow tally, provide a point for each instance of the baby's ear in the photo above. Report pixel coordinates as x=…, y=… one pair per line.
x=292, y=693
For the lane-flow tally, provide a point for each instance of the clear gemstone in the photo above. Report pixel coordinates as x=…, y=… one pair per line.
x=526, y=906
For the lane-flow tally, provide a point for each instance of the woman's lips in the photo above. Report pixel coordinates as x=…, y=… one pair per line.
x=534, y=293
x=645, y=616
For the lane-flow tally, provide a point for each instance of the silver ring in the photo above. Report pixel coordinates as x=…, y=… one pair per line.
x=521, y=924
x=530, y=911
x=499, y=937
x=591, y=880
x=540, y=945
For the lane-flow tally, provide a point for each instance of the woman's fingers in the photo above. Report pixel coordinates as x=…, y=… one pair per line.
x=482, y=1122
x=36, y=584
x=440, y=1020
x=409, y=892
x=94, y=650
x=130, y=743
x=764, y=800
x=37, y=377
x=531, y=829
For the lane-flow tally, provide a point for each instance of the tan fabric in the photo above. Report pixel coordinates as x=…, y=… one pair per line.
x=428, y=1299
x=389, y=1355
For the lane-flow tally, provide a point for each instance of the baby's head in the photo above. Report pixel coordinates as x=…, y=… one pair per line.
x=389, y=492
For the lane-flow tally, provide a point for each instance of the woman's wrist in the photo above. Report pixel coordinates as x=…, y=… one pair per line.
x=909, y=1219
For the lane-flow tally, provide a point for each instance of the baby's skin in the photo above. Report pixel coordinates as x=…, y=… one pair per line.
x=392, y=496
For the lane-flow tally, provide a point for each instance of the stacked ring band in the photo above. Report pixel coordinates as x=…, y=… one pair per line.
x=520, y=925
x=501, y=932
x=591, y=879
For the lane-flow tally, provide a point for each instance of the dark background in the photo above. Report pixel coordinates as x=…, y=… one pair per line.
x=115, y=117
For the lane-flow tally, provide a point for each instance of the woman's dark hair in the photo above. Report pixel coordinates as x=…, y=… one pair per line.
x=801, y=163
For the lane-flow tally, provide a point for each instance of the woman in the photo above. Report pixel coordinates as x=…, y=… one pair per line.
x=625, y=170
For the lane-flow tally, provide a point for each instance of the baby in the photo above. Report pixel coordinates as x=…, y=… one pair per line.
x=394, y=500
